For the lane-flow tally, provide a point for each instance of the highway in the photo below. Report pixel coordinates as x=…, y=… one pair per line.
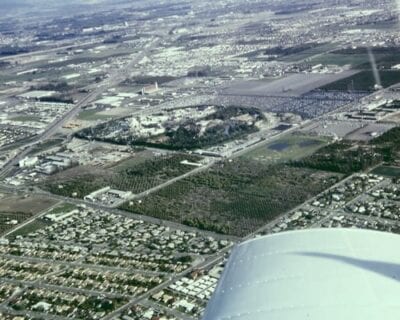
x=115, y=78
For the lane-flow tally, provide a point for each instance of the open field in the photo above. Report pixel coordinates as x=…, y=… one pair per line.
x=45, y=146
x=35, y=225
x=27, y=118
x=25, y=204
x=291, y=147
x=293, y=85
x=358, y=57
x=341, y=59
x=16, y=209
x=348, y=157
x=135, y=175
x=234, y=197
x=295, y=54
x=308, y=53
x=92, y=115
x=39, y=222
x=364, y=81
x=388, y=171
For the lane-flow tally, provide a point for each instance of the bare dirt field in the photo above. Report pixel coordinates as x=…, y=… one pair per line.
x=293, y=85
x=29, y=205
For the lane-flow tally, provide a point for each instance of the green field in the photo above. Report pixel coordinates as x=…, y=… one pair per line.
x=388, y=171
x=234, y=197
x=40, y=223
x=35, y=225
x=136, y=175
x=238, y=196
x=62, y=208
x=348, y=157
x=92, y=115
x=48, y=144
x=364, y=81
x=341, y=59
x=7, y=217
x=27, y=118
x=309, y=53
x=291, y=147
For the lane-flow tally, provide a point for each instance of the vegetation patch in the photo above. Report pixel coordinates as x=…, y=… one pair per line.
x=287, y=148
x=234, y=197
x=31, y=227
x=349, y=157
x=135, y=177
x=179, y=129
x=387, y=171
x=364, y=81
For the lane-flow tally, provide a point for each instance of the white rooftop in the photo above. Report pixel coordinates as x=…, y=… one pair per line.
x=318, y=274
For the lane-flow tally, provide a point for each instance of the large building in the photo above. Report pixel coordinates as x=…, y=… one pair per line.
x=319, y=274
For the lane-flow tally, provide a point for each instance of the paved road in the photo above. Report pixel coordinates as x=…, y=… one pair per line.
x=114, y=79
x=38, y=215
x=336, y=212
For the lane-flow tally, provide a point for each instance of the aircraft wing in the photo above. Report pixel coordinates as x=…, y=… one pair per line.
x=317, y=274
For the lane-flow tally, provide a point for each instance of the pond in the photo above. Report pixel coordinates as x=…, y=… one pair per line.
x=279, y=146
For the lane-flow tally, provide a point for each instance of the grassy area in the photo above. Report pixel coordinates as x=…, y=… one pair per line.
x=25, y=118
x=309, y=53
x=364, y=81
x=234, y=197
x=348, y=157
x=341, y=59
x=28, y=205
x=358, y=58
x=40, y=223
x=14, y=210
x=343, y=157
x=46, y=145
x=92, y=115
x=287, y=148
x=134, y=175
x=388, y=171
x=64, y=207
x=9, y=220
x=35, y=225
